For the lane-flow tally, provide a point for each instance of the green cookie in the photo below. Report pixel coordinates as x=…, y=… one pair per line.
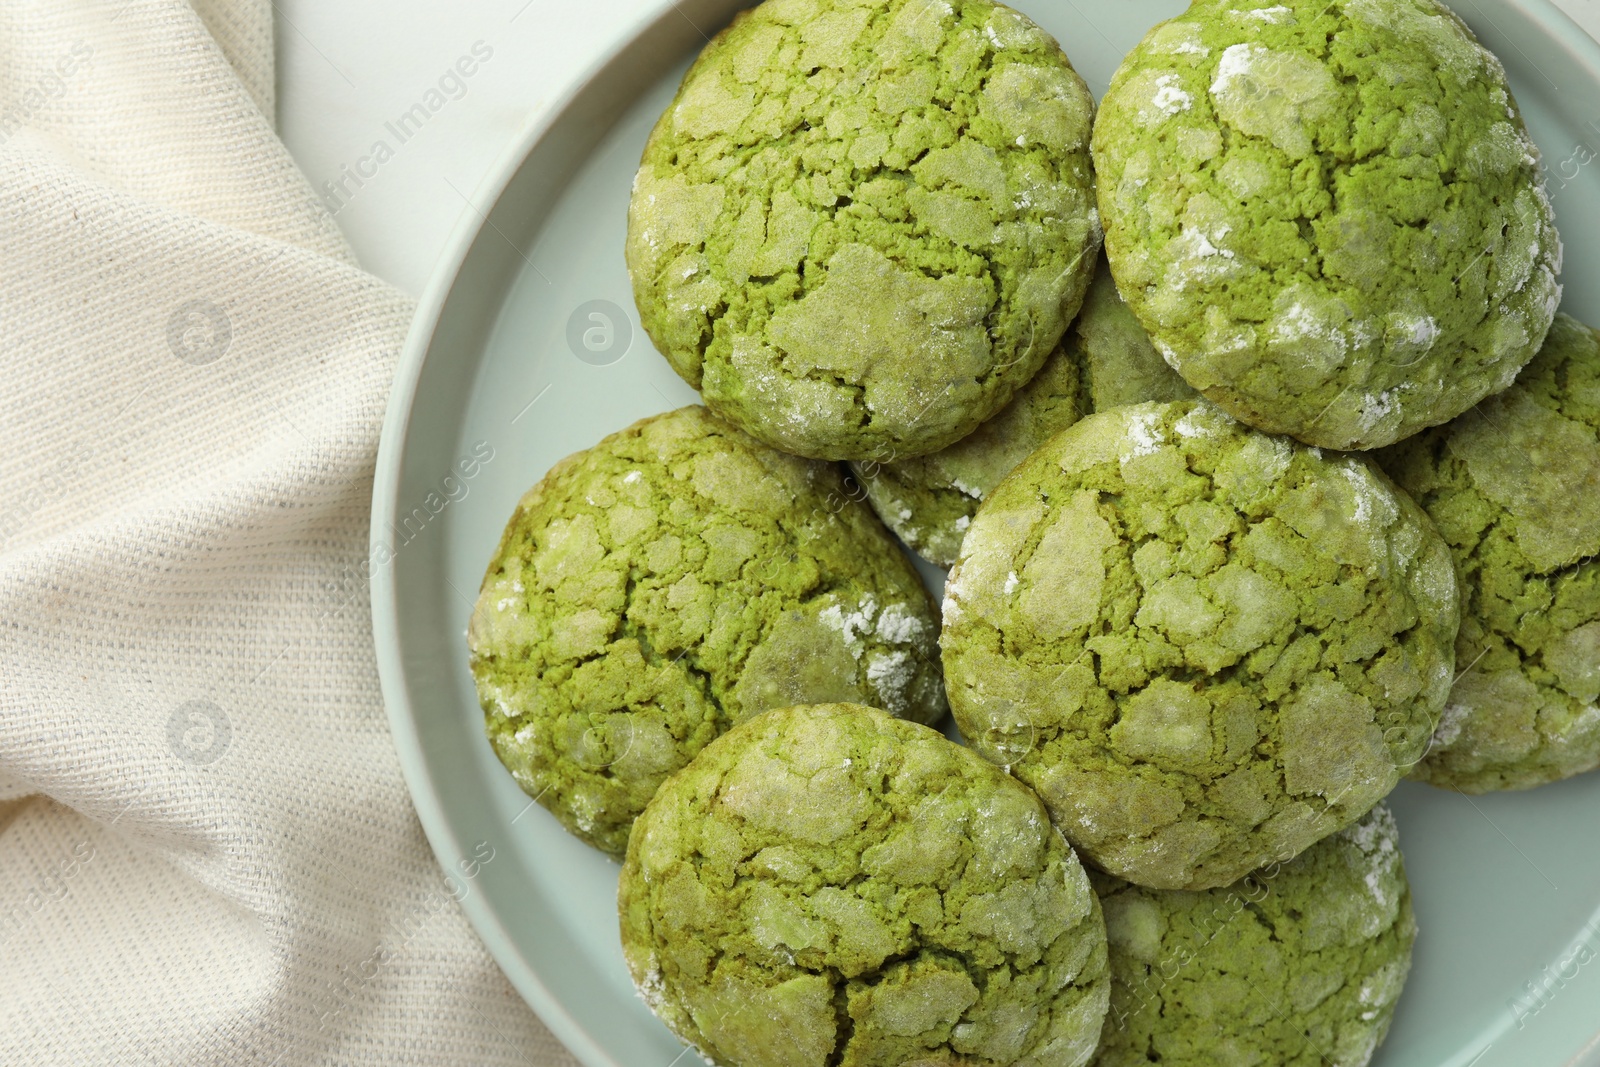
x=860, y=228
x=827, y=885
x=1117, y=362
x=1104, y=361
x=674, y=579
x=1205, y=647
x=1514, y=487
x=1297, y=965
x=1329, y=215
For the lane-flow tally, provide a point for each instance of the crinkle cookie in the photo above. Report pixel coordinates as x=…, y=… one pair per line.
x=1329, y=215
x=861, y=227
x=1514, y=487
x=827, y=885
x=1105, y=360
x=1116, y=360
x=674, y=579
x=1297, y=965
x=929, y=501
x=1204, y=646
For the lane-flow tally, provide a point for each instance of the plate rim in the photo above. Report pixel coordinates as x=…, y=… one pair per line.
x=1557, y=26
x=425, y=797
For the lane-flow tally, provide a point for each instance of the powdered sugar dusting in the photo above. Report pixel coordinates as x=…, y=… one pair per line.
x=1376, y=832
x=1376, y=407
x=1203, y=245
x=652, y=988
x=898, y=624
x=1373, y=504
x=1451, y=722
x=1177, y=38
x=1585, y=723
x=1382, y=987
x=1235, y=64
x=1169, y=98
x=1144, y=435
x=891, y=673
x=1300, y=321
x=850, y=623
x=1412, y=335
x=1309, y=330
x=1377, y=839
x=1202, y=422
x=1200, y=257
x=949, y=608
x=1275, y=15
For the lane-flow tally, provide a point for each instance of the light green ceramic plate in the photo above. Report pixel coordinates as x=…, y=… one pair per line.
x=527, y=348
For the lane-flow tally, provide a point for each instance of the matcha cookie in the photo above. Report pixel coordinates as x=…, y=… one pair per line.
x=1105, y=360
x=1297, y=965
x=1116, y=360
x=1204, y=646
x=827, y=885
x=672, y=580
x=1329, y=215
x=1514, y=487
x=860, y=228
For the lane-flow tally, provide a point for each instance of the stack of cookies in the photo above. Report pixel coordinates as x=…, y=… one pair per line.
x=1287, y=493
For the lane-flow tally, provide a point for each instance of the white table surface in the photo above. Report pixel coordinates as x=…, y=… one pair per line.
x=348, y=67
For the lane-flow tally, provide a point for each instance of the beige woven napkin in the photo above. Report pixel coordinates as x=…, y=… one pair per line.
x=207, y=853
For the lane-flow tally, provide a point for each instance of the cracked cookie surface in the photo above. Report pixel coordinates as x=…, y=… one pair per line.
x=828, y=885
x=859, y=228
x=1329, y=216
x=1514, y=487
x=1205, y=647
x=674, y=579
x=1105, y=360
x=1296, y=965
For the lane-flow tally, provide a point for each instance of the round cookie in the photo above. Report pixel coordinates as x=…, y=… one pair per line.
x=860, y=228
x=1297, y=965
x=829, y=885
x=929, y=501
x=1116, y=360
x=1329, y=216
x=1204, y=646
x=1514, y=488
x=1104, y=360
x=672, y=580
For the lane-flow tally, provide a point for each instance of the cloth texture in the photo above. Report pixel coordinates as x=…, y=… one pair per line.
x=207, y=852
